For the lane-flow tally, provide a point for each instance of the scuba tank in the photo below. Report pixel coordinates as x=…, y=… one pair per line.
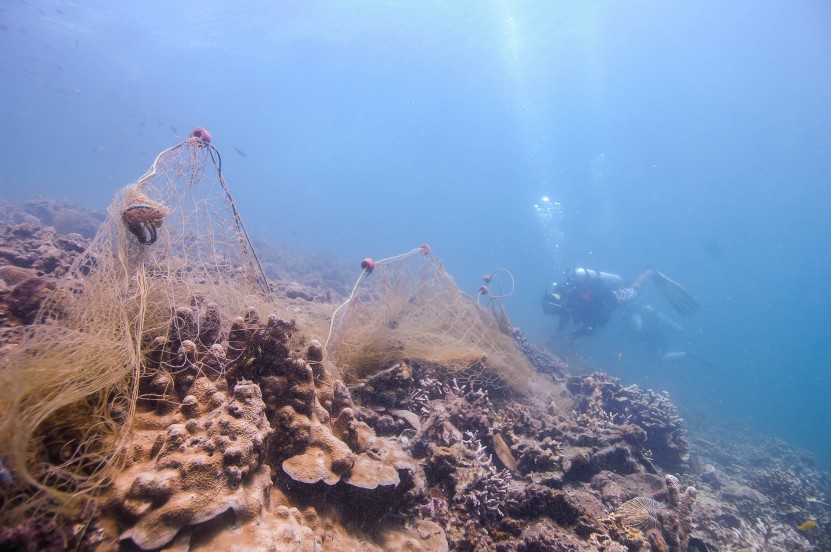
x=589, y=276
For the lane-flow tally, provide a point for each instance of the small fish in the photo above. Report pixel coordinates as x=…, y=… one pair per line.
x=807, y=525
x=620, y=356
x=96, y=149
x=239, y=151
x=175, y=132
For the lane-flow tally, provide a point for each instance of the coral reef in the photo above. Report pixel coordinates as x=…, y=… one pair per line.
x=666, y=437
x=754, y=492
x=543, y=361
x=245, y=436
x=64, y=216
x=307, y=276
x=30, y=256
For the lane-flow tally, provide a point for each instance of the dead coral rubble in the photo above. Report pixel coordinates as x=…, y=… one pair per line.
x=754, y=492
x=461, y=436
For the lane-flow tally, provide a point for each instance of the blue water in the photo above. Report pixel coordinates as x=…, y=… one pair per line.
x=694, y=137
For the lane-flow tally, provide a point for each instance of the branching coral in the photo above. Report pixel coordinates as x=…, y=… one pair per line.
x=607, y=403
x=486, y=492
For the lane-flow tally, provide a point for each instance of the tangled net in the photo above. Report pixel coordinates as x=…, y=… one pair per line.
x=408, y=307
x=68, y=383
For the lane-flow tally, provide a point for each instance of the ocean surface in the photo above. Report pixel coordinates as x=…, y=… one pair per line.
x=693, y=137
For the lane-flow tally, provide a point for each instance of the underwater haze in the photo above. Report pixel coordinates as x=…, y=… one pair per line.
x=694, y=137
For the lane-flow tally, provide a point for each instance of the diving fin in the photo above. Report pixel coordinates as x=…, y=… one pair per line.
x=677, y=296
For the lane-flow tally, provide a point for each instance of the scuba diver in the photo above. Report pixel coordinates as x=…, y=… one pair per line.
x=588, y=297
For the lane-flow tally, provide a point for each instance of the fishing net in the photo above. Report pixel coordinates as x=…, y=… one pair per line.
x=173, y=249
x=409, y=308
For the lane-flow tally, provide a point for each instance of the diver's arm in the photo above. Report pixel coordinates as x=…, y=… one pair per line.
x=642, y=280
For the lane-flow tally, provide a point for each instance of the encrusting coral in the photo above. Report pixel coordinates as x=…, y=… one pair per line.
x=208, y=460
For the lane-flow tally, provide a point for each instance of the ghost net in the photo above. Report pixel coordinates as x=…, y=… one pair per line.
x=173, y=241
x=409, y=308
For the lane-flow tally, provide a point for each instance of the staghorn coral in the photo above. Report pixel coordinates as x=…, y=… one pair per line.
x=481, y=489
x=773, y=537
